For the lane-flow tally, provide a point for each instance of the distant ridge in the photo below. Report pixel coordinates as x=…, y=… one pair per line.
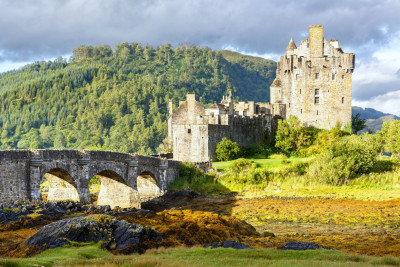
x=375, y=118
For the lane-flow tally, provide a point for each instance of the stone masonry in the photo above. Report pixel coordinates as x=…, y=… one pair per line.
x=313, y=80
x=69, y=172
x=196, y=131
x=313, y=83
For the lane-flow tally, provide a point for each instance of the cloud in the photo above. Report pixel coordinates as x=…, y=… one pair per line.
x=388, y=103
x=44, y=29
x=379, y=73
x=52, y=27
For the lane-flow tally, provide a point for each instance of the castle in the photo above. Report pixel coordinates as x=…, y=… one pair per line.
x=313, y=83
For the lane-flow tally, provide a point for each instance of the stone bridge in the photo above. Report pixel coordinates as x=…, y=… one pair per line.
x=125, y=178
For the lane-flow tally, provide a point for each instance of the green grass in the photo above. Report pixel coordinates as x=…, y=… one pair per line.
x=92, y=255
x=262, y=163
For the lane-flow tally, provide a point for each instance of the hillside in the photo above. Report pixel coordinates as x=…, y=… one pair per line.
x=374, y=118
x=117, y=99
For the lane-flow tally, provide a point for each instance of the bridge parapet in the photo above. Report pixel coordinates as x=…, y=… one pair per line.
x=21, y=173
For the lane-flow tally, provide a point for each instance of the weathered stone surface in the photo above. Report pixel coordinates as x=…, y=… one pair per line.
x=228, y=244
x=69, y=171
x=313, y=81
x=195, y=131
x=94, y=228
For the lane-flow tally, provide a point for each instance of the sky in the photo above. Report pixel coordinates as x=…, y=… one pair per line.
x=45, y=29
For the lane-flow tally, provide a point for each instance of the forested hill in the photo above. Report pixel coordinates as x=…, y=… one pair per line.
x=117, y=99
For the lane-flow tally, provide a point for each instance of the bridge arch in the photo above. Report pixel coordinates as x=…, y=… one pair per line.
x=61, y=185
x=148, y=186
x=115, y=191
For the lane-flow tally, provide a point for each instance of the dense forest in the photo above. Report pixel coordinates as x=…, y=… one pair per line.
x=116, y=99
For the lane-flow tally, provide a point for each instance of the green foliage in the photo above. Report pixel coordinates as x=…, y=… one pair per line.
x=244, y=171
x=344, y=160
x=227, y=150
x=260, y=151
x=292, y=136
x=357, y=124
x=117, y=99
x=192, y=177
x=390, y=137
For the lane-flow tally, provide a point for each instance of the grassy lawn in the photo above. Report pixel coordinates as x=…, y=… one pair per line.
x=92, y=255
x=263, y=163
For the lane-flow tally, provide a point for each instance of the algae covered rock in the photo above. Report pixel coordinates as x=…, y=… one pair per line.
x=228, y=244
x=114, y=233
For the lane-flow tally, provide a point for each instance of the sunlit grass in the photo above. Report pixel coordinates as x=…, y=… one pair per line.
x=92, y=255
x=274, y=163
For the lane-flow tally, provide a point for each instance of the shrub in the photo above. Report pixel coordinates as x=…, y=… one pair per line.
x=257, y=151
x=291, y=136
x=344, y=160
x=244, y=171
x=390, y=137
x=227, y=150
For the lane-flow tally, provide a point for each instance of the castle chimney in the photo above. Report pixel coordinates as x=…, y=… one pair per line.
x=170, y=105
x=190, y=97
x=316, y=41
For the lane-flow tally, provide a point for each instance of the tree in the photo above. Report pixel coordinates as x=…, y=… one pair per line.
x=390, y=137
x=291, y=136
x=227, y=150
x=357, y=124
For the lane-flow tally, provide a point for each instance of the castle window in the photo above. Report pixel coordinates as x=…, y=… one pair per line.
x=316, y=91
x=189, y=131
x=342, y=100
x=300, y=91
x=317, y=112
x=297, y=76
x=301, y=111
x=316, y=75
x=316, y=100
x=333, y=77
x=342, y=77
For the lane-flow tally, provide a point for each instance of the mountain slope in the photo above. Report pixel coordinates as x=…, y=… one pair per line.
x=117, y=99
x=374, y=118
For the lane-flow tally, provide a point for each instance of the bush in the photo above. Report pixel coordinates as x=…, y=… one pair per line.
x=291, y=136
x=390, y=137
x=261, y=151
x=244, y=171
x=344, y=160
x=227, y=150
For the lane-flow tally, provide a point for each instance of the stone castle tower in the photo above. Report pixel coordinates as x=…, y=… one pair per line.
x=314, y=81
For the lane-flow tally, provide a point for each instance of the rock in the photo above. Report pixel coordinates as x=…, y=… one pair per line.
x=115, y=234
x=301, y=246
x=228, y=244
x=24, y=211
x=185, y=193
x=268, y=234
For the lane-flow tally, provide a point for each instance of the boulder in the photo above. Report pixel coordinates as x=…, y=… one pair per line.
x=94, y=228
x=228, y=244
x=301, y=246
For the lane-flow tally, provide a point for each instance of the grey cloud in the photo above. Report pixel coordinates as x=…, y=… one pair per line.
x=367, y=91
x=48, y=28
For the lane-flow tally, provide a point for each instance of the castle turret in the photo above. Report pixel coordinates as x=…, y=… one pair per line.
x=290, y=48
x=316, y=41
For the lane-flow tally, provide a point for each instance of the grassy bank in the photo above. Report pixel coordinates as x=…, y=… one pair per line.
x=92, y=255
x=287, y=177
